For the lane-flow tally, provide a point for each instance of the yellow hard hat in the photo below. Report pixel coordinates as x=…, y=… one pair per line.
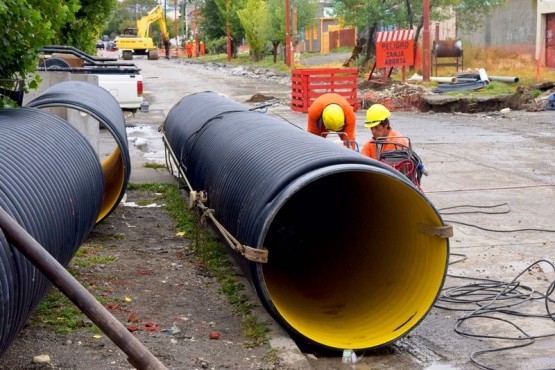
x=375, y=115
x=333, y=117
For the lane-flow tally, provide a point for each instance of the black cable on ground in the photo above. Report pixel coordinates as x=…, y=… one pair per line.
x=488, y=299
x=490, y=213
x=491, y=300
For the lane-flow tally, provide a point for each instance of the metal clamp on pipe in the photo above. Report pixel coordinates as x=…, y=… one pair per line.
x=198, y=199
x=252, y=254
x=350, y=265
x=443, y=232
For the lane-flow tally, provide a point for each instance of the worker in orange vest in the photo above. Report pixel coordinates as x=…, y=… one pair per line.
x=201, y=45
x=389, y=146
x=377, y=120
x=189, y=49
x=331, y=112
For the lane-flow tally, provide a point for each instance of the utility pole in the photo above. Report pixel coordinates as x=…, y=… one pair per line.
x=426, y=41
x=175, y=28
x=228, y=32
x=183, y=20
x=287, y=35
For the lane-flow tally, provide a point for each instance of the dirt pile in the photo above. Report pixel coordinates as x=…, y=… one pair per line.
x=401, y=96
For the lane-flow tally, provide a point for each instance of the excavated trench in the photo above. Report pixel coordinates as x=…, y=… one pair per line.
x=410, y=97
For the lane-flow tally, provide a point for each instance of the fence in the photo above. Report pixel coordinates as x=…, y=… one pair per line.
x=308, y=84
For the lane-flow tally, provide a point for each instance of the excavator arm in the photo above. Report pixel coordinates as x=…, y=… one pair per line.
x=154, y=15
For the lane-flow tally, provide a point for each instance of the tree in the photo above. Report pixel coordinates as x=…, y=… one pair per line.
x=27, y=27
x=215, y=16
x=370, y=15
x=254, y=19
x=471, y=13
x=306, y=17
x=85, y=28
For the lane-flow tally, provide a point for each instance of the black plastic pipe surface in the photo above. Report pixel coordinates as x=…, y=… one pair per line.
x=349, y=265
x=102, y=106
x=51, y=183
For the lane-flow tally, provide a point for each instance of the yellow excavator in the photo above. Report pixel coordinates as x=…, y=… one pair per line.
x=140, y=43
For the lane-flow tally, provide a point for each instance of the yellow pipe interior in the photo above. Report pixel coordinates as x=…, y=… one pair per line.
x=349, y=267
x=113, y=169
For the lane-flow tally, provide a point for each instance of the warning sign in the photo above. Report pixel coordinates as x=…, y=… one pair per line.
x=394, y=48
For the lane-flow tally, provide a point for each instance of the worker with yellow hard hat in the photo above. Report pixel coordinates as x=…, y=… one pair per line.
x=377, y=120
x=331, y=112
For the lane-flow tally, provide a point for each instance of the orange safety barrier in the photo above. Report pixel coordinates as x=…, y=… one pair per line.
x=308, y=84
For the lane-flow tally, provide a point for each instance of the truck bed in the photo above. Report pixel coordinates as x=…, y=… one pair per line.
x=122, y=79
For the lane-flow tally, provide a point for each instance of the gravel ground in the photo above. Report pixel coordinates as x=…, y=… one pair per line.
x=157, y=289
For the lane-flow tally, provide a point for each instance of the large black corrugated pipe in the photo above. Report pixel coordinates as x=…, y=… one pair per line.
x=51, y=184
x=101, y=105
x=353, y=262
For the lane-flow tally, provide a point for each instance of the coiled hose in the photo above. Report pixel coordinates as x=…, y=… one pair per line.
x=354, y=260
x=51, y=183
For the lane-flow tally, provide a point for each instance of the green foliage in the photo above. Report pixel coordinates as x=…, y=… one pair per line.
x=254, y=19
x=29, y=25
x=88, y=255
x=360, y=14
x=58, y=313
x=86, y=28
x=493, y=88
x=216, y=15
x=215, y=46
x=369, y=16
x=399, y=13
x=306, y=13
x=306, y=18
x=255, y=331
x=276, y=15
x=471, y=13
x=7, y=103
x=212, y=22
x=154, y=165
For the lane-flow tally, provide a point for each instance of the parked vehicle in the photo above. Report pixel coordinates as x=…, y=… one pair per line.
x=123, y=80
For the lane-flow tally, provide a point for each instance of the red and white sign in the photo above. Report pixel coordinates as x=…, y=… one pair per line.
x=394, y=48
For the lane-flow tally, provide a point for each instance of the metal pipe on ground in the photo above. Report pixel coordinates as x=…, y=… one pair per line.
x=139, y=356
x=102, y=106
x=507, y=79
x=483, y=76
x=356, y=256
x=476, y=77
x=417, y=77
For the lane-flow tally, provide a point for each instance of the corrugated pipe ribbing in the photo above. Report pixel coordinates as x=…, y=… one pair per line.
x=101, y=105
x=350, y=264
x=51, y=183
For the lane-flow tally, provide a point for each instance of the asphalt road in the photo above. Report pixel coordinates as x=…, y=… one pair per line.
x=492, y=177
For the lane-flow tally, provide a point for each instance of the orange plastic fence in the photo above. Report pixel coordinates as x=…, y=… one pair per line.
x=308, y=84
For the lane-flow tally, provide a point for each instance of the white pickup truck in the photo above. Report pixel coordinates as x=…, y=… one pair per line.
x=123, y=80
